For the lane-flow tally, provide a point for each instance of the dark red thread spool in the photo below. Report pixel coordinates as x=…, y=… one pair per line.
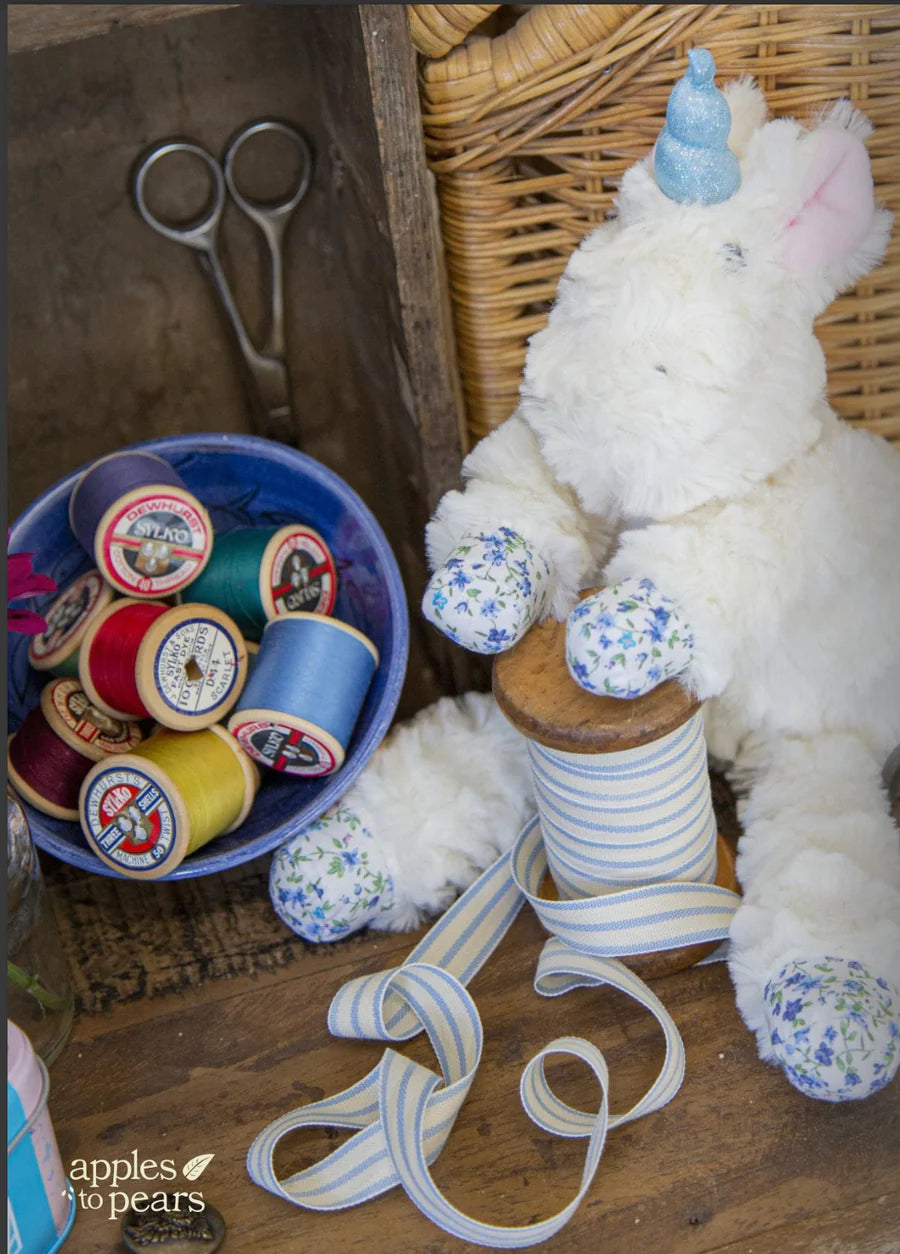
x=58, y=743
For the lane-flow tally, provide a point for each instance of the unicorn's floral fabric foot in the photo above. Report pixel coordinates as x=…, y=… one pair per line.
x=627, y=639
x=488, y=592
x=835, y=1028
x=327, y=881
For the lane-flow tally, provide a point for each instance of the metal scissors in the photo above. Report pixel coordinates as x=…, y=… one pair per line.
x=266, y=365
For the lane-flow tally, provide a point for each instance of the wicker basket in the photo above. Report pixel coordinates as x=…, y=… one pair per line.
x=529, y=132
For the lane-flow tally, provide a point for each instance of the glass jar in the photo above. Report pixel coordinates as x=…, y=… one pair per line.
x=38, y=990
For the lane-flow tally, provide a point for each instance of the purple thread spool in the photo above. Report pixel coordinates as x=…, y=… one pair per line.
x=149, y=536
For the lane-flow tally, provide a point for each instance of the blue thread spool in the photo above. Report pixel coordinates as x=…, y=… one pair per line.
x=149, y=536
x=301, y=703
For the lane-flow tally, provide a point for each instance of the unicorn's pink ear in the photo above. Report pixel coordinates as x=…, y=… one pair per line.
x=835, y=234
x=838, y=202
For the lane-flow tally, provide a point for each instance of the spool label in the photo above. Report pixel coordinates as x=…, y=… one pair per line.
x=303, y=576
x=196, y=666
x=156, y=544
x=67, y=613
x=131, y=820
x=285, y=748
x=89, y=724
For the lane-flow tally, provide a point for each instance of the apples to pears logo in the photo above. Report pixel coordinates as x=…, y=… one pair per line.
x=194, y=1168
x=102, y=1176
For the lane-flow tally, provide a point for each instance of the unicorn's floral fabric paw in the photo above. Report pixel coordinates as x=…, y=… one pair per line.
x=834, y=1027
x=625, y=640
x=488, y=592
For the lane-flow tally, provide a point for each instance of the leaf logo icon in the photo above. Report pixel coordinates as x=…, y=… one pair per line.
x=194, y=1168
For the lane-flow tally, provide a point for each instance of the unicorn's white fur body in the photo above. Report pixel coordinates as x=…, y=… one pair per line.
x=673, y=426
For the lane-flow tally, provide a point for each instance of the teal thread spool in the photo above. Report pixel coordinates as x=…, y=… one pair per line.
x=299, y=708
x=256, y=574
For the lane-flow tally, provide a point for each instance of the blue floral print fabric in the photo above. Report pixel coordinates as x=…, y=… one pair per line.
x=488, y=592
x=626, y=639
x=834, y=1028
x=325, y=882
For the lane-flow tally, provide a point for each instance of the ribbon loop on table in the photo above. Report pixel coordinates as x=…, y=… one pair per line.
x=460, y=942
x=560, y=969
x=405, y=1095
x=403, y=1112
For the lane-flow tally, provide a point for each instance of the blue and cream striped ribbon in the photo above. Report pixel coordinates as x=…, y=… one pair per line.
x=612, y=821
x=403, y=1112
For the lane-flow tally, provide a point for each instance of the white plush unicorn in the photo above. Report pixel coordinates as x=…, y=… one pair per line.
x=673, y=445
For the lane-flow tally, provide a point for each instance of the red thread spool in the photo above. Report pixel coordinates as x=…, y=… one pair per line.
x=58, y=743
x=109, y=657
x=183, y=666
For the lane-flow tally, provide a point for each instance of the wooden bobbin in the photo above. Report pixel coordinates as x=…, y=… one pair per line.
x=168, y=835
x=190, y=666
x=535, y=691
x=68, y=618
x=151, y=541
x=90, y=732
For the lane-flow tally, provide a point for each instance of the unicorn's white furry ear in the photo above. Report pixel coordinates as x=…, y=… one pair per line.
x=749, y=111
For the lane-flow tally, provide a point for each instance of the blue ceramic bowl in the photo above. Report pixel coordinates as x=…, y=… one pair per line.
x=243, y=481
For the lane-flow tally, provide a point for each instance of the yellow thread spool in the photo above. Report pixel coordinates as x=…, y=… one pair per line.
x=144, y=813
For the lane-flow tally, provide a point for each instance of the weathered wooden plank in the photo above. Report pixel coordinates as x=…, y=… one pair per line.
x=869, y=1227
x=423, y=348
x=429, y=364
x=738, y=1161
x=33, y=26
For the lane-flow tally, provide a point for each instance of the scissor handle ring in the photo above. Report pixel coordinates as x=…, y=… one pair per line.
x=266, y=209
x=197, y=234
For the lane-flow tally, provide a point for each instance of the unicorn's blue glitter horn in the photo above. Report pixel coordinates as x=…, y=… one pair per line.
x=692, y=162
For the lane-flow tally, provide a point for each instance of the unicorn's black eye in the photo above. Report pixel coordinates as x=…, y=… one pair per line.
x=734, y=257
x=661, y=369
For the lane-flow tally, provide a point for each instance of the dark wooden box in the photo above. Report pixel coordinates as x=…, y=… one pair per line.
x=115, y=335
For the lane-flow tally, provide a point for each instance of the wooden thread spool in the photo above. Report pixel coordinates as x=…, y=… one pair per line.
x=535, y=691
x=56, y=648
x=149, y=535
x=310, y=679
x=58, y=744
x=183, y=666
x=257, y=573
x=143, y=813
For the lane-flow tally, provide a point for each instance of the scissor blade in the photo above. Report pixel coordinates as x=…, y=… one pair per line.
x=272, y=393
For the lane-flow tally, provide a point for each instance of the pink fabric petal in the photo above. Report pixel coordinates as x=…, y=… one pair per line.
x=25, y=621
x=18, y=568
x=22, y=581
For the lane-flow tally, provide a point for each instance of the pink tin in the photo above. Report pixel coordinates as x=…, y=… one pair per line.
x=40, y=1201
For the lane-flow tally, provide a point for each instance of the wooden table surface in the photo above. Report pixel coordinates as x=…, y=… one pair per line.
x=738, y=1161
